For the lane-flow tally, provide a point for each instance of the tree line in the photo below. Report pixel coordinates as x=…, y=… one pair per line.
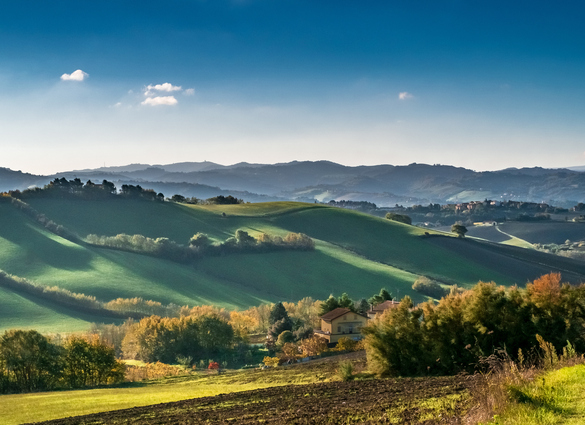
x=61, y=188
x=202, y=245
x=30, y=362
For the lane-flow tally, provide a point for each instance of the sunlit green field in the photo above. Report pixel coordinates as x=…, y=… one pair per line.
x=355, y=253
x=34, y=407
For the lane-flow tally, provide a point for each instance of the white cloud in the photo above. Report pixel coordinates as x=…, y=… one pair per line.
x=78, y=75
x=166, y=87
x=405, y=95
x=189, y=92
x=160, y=100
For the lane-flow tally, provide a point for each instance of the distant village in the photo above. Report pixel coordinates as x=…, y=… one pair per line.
x=486, y=212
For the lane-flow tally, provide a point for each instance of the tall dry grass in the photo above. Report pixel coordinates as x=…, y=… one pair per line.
x=503, y=379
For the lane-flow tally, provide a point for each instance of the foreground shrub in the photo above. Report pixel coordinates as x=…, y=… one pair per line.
x=345, y=343
x=451, y=336
x=271, y=361
x=345, y=371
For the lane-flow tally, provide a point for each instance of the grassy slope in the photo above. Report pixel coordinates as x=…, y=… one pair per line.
x=555, y=398
x=235, y=281
x=356, y=253
x=375, y=239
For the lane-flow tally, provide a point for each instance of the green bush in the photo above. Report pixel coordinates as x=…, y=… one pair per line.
x=429, y=287
x=345, y=371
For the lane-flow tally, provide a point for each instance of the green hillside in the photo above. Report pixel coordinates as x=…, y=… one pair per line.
x=355, y=253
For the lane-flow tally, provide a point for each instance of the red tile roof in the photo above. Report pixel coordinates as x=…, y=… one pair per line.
x=334, y=314
x=384, y=306
x=338, y=312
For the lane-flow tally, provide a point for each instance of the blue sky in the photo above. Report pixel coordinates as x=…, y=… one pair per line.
x=484, y=85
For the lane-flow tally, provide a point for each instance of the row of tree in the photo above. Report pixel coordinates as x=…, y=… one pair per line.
x=201, y=244
x=452, y=335
x=216, y=200
x=166, y=339
x=361, y=306
x=62, y=188
x=30, y=362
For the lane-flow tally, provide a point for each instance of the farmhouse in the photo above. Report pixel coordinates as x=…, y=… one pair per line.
x=339, y=323
x=381, y=308
x=485, y=223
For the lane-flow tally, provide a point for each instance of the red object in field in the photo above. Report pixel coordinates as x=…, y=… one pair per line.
x=213, y=365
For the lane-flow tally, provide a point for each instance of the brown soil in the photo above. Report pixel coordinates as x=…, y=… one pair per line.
x=356, y=402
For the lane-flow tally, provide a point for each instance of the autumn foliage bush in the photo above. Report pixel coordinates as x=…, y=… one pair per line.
x=451, y=336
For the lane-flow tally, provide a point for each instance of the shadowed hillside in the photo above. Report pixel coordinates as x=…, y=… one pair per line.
x=354, y=253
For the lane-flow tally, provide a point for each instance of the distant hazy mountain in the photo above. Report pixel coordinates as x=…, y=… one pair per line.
x=179, y=167
x=580, y=168
x=385, y=185
x=12, y=180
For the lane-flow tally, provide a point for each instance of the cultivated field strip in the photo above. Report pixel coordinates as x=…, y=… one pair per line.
x=434, y=400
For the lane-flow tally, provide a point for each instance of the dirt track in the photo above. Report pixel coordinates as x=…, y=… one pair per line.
x=405, y=401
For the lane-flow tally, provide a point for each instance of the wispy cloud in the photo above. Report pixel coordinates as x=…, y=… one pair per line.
x=160, y=100
x=78, y=75
x=165, y=87
x=189, y=92
x=405, y=95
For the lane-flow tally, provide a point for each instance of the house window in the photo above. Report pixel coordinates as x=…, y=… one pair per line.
x=339, y=329
x=351, y=329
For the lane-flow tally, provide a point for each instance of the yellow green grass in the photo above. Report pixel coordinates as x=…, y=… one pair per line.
x=554, y=398
x=35, y=407
x=515, y=241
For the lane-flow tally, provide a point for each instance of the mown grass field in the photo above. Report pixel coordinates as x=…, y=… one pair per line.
x=355, y=253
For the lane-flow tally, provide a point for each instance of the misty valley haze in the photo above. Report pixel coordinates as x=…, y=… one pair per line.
x=384, y=185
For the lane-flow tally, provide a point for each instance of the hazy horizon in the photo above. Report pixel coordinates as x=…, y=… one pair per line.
x=114, y=166
x=480, y=86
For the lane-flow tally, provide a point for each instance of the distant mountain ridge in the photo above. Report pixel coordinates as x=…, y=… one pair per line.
x=385, y=184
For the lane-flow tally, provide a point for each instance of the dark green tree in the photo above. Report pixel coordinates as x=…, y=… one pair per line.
x=329, y=305
x=459, y=229
x=277, y=313
x=379, y=298
x=401, y=218
x=279, y=327
x=362, y=306
x=346, y=302
x=178, y=198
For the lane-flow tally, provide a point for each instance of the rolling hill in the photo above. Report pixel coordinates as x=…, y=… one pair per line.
x=355, y=253
x=384, y=185
x=307, y=181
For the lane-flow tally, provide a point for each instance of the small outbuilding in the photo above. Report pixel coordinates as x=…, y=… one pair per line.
x=381, y=308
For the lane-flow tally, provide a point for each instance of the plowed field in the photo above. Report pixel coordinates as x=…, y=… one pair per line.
x=406, y=401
